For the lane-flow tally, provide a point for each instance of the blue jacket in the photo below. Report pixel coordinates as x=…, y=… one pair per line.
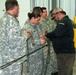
x=62, y=36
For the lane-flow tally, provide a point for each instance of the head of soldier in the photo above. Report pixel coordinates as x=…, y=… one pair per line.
x=44, y=12
x=37, y=9
x=58, y=14
x=12, y=7
x=34, y=18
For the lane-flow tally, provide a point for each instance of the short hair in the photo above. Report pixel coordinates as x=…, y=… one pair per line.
x=37, y=9
x=43, y=8
x=9, y=4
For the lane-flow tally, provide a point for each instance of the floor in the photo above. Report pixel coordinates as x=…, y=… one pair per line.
x=74, y=68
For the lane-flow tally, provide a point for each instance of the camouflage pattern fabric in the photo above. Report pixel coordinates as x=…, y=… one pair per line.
x=49, y=25
x=35, y=61
x=12, y=45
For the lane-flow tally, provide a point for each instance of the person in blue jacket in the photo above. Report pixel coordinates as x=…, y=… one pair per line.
x=62, y=39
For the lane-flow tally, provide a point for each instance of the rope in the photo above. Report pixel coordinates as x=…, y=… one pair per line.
x=10, y=63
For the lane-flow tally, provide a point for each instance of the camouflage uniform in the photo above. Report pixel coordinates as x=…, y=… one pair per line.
x=34, y=61
x=49, y=25
x=12, y=45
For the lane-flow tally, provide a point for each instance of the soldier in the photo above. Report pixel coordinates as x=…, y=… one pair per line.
x=35, y=60
x=48, y=26
x=12, y=43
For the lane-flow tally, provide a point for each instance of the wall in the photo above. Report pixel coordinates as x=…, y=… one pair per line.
x=24, y=9
x=2, y=7
x=27, y=6
x=42, y=3
x=69, y=7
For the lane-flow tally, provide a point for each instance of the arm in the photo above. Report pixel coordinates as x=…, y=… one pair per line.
x=58, y=32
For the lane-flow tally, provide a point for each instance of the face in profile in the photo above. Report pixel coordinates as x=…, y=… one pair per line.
x=16, y=11
x=44, y=14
